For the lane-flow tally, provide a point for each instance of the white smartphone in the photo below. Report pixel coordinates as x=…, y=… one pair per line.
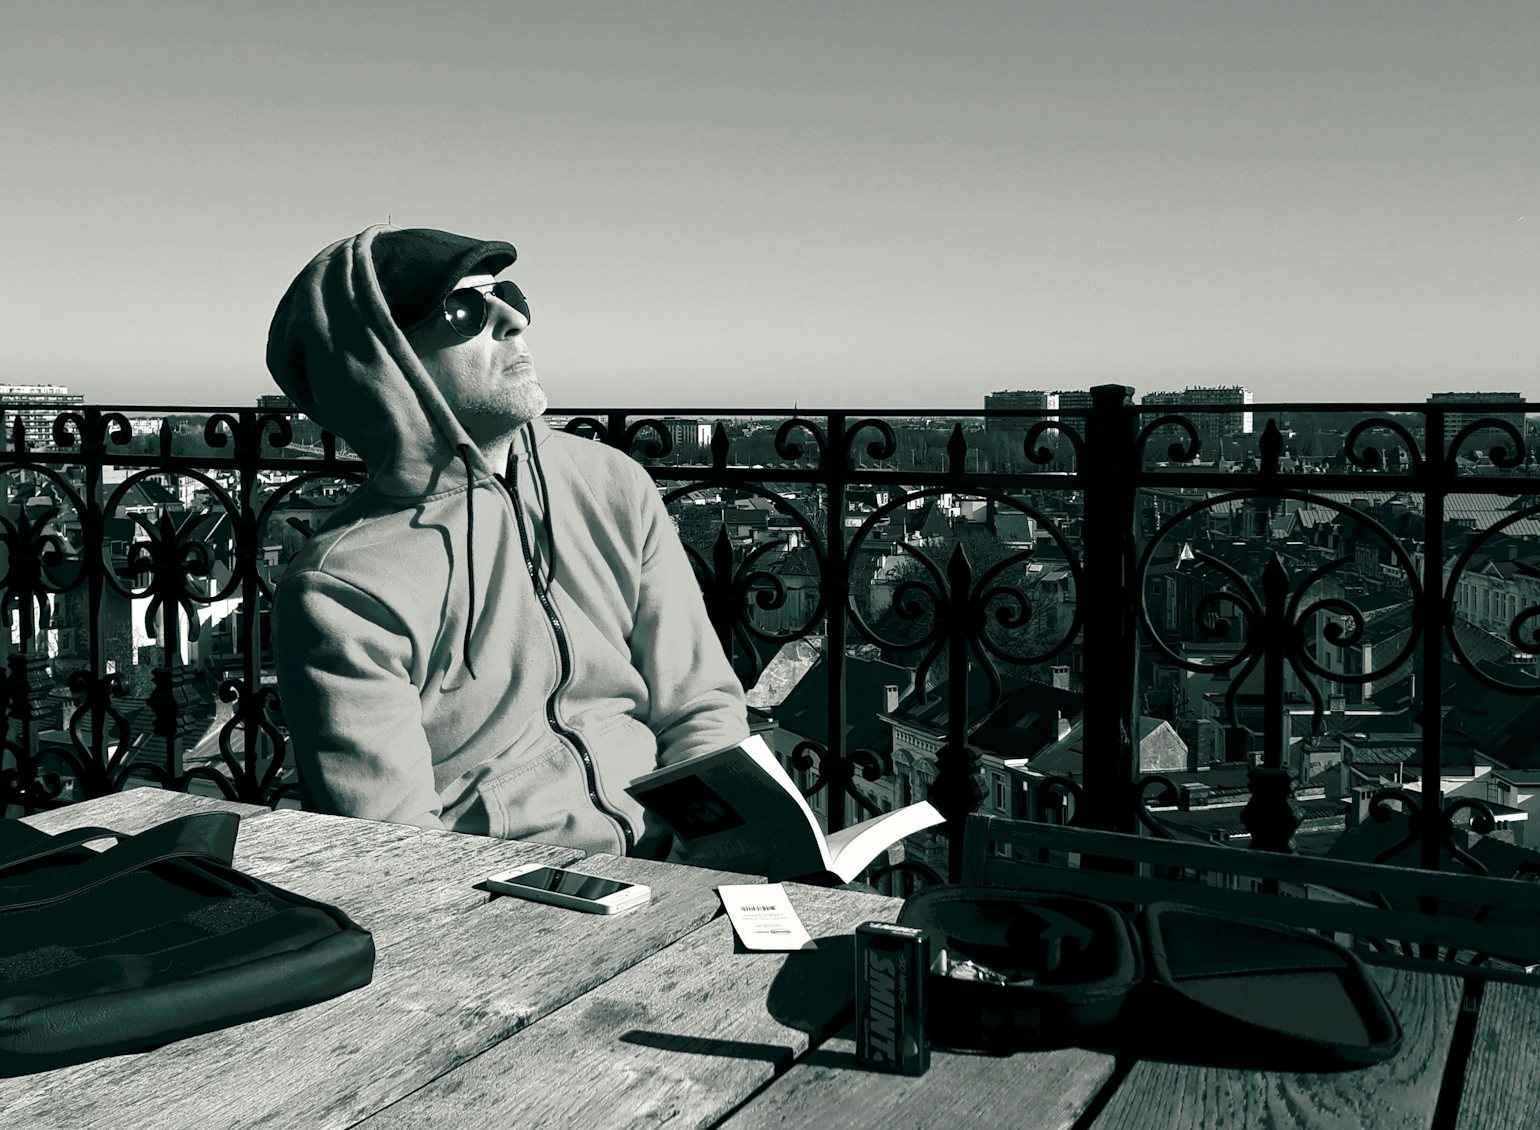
x=570, y=889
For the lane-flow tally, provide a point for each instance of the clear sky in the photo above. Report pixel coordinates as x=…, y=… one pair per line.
x=847, y=204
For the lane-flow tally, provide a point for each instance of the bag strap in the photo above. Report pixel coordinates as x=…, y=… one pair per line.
x=45, y=845
x=206, y=836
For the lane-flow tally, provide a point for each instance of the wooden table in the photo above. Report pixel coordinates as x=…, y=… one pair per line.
x=499, y=1012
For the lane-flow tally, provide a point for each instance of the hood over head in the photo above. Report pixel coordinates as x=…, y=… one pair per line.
x=336, y=347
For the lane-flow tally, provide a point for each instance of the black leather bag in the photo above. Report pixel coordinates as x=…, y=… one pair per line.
x=1034, y=969
x=155, y=939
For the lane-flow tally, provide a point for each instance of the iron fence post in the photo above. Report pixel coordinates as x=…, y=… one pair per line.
x=836, y=767
x=1269, y=815
x=1437, y=614
x=1111, y=641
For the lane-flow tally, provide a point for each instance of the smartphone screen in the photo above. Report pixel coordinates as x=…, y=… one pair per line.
x=567, y=883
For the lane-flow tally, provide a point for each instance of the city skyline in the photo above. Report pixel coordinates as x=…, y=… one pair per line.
x=56, y=396
x=791, y=204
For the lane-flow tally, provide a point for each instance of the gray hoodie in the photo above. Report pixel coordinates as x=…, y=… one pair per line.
x=435, y=666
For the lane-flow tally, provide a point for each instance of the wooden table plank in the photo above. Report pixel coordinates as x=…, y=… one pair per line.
x=1401, y=1092
x=133, y=810
x=1041, y=1091
x=681, y=1038
x=1501, y=1085
x=458, y=970
x=383, y=876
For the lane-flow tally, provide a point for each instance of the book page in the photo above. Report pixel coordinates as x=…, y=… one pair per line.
x=852, y=848
x=736, y=810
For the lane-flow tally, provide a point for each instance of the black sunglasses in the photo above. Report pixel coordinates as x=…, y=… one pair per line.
x=466, y=309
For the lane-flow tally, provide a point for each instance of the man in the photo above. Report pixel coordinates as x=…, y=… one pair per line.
x=500, y=630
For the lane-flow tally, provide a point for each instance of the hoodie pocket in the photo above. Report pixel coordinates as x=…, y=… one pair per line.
x=544, y=799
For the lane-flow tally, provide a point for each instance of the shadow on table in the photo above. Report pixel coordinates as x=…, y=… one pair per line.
x=813, y=992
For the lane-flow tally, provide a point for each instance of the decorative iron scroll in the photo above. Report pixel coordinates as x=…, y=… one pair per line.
x=1280, y=630
x=1528, y=616
x=164, y=574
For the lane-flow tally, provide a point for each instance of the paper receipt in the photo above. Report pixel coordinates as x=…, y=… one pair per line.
x=762, y=915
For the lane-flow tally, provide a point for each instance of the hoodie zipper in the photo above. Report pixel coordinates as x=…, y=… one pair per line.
x=544, y=596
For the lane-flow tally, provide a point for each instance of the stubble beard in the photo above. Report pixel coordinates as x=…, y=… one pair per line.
x=526, y=398
x=507, y=407
x=491, y=405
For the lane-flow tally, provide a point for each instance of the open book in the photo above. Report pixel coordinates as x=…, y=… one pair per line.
x=737, y=810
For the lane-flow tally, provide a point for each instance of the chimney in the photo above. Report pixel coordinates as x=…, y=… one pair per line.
x=1358, y=809
x=1060, y=678
x=1063, y=727
x=890, y=697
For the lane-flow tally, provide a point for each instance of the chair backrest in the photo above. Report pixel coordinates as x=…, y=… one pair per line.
x=1393, y=912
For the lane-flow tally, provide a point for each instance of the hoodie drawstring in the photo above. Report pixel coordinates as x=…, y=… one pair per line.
x=470, y=551
x=545, y=507
x=544, y=494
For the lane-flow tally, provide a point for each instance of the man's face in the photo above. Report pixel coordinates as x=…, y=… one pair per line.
x=488, y=380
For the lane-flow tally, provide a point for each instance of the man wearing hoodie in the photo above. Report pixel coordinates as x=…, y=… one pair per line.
x=500, y=630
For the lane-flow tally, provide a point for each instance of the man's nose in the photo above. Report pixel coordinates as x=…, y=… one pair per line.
x=506, y=321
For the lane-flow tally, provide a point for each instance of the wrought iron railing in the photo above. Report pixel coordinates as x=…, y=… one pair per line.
x=860, y=533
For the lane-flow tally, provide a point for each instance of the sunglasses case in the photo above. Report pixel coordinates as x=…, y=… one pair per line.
x=1052, y=970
